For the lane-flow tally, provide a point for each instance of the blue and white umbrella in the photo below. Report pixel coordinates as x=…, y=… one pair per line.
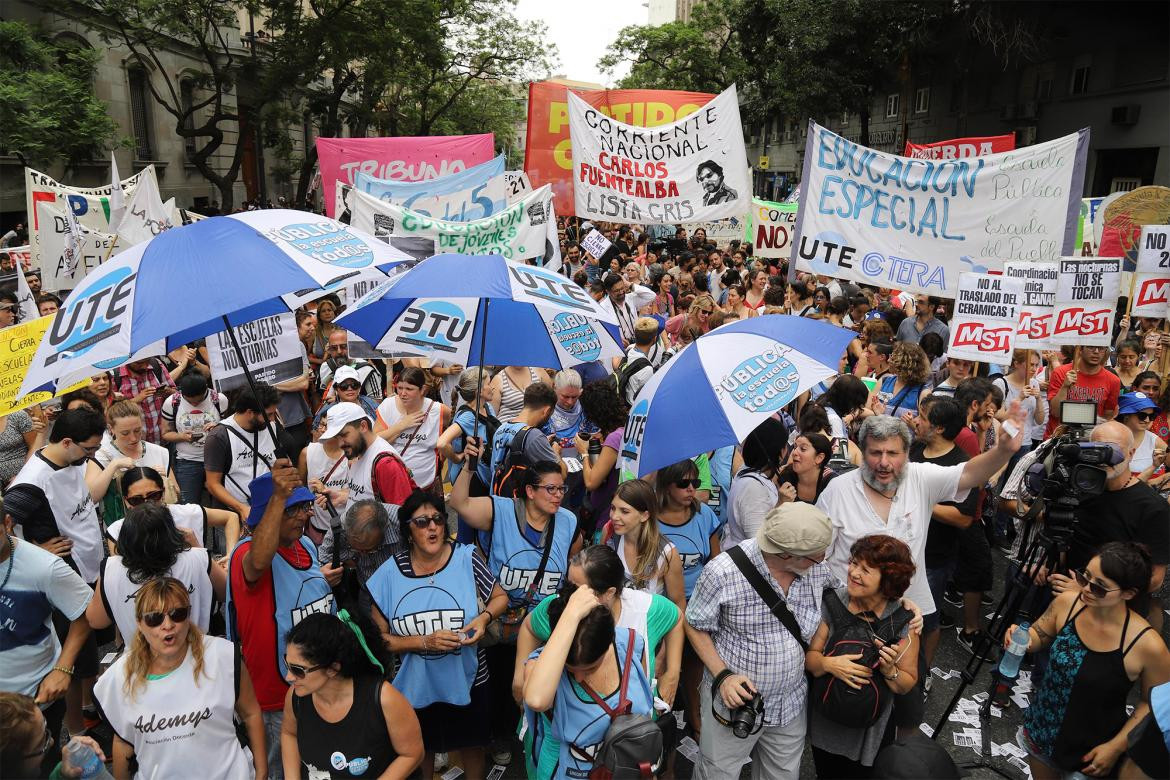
x=484, y=310
x=720, y=388
x=191, y=281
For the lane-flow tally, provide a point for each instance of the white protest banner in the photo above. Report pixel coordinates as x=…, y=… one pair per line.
x=987, y=311
x=271, y=350
x=1086, y=298
x=770, y=228
x=146, y=215
x=475, y=193
x=26, y=302
x=691, y=170
x=65, y=260
x=1151, y=289
x=525, y=229
x=92, y=207
x=720, y=232
x=1039, y=279
x=596, y=244
x=915, y=225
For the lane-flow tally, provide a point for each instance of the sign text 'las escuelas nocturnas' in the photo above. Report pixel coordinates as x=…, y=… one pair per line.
x=987, y=311
x=915, y=225
x=270, y=347
x=1039, y=279
x=1086, y=298
x=691, y=170
x=1151, y=289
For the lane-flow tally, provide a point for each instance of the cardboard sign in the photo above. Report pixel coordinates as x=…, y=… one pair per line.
x=915, y=225
x=271, y=350
x=18, y=345
x=961, y=147
x=475, y=193
x=691, y=170
x=1086, y=298
x=399, y=159
x=987, y=312
x=1039, y=280
x=770, y=228
x=548, y=154
x=596, y=244
x=1151, y=289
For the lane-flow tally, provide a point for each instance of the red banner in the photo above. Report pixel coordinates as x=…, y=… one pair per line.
x=548, y=152
x=961, y=147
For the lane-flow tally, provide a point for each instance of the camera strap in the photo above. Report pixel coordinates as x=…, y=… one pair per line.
x=768, y=594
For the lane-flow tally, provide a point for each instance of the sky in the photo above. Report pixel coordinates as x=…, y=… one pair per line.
x=582, y=30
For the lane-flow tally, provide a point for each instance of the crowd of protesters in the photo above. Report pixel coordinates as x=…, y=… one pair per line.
x=392, y=565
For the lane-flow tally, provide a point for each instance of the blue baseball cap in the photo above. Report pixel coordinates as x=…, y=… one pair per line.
x=1136, y=402
x=261, y=490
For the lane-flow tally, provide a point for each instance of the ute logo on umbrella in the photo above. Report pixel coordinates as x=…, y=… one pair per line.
x=762, y=383
x=89, y=320
x=531, y=282
x=327, y=243
x=635, y=428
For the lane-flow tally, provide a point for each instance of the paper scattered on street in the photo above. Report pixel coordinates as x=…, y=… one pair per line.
x=688, y=749
x=452, y=773
x=926, y=729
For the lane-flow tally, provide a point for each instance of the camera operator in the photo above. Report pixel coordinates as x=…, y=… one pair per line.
x=749, y=652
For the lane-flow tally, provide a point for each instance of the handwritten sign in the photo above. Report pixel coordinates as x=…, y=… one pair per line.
x=770, y=228
x=1086, y=295
x=1151, y=289
x=18, y=345
x=915, y=225
x=271, y=350
x=1039, y=280
x=475, y=193
x=596, y=244
x=987, y=311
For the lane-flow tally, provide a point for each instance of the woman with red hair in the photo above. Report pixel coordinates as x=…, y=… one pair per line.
x=862, y=654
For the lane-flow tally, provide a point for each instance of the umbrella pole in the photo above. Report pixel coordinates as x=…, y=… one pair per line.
x=270, y=424
x=473, y=464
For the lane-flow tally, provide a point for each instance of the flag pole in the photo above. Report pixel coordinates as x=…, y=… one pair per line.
x=473, y=463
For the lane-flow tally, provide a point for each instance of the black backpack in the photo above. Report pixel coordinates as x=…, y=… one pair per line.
x=850, y=635
x=626, y=370
x=512, y=470
x=632, y=747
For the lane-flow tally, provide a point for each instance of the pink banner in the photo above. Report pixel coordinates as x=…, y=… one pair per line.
x=402, y=159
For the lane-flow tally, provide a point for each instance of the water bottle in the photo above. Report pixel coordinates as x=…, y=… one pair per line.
x=80, y=755
x=1009, y=665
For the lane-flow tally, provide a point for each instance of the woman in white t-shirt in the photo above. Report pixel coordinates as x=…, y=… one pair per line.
x=412, y=423
x=125, y=439
x=651, y=562
x=171, y=697
x=150, y=546
x=142, y=484
x=1020, y=384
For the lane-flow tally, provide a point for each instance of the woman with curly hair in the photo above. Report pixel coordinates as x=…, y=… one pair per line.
x=897, y=393
x=605, y=409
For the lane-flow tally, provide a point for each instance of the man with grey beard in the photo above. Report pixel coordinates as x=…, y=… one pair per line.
x=890, y=495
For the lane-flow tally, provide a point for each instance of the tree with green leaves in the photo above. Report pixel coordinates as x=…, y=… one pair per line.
x=48, y=110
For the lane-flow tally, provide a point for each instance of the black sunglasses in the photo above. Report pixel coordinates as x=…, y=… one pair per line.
x=683, y=484
x=422, y=521
x=154, y=495
x=1096, y=588
x=155, y=619
x=299, y=672
x=1147, y=416
x=348, y=386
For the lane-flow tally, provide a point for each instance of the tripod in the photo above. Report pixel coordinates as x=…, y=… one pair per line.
x=1045, y=548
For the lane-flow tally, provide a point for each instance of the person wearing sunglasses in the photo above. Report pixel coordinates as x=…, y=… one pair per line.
x=341, y=718
x=427, y=610
x=696, y=316
x=9, y=309
x=1137, y=412
x=1099, y=646
x=346, y=388
x=150, y=544
x=143, y=485
x=172, y=696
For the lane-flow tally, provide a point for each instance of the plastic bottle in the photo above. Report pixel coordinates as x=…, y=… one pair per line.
x=81, y=755
x=1009, y=665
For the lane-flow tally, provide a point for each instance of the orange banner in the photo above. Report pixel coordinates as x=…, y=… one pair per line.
x=548, y=152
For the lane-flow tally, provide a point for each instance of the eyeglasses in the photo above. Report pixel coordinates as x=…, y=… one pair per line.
x=155, y=619
x=154, y=495
x=302, y=507
x=46, y=743
x=702, y=311
x=1096, y=588
x=348, y=386
x=683, y=484
x=553, y=490
x=7, y=307
x=300, y=672
x=422, y=521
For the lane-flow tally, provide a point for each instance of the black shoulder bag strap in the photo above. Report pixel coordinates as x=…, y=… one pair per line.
x=550, y=531
x=769, y=595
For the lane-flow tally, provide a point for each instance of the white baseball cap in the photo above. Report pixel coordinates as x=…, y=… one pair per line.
x=346, y=372
x=340, y=415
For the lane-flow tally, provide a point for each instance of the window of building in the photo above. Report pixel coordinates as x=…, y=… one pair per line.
x=1080, y=80
x=922, y=100
x=140, y=116
x=892, y=105
x=187, y=95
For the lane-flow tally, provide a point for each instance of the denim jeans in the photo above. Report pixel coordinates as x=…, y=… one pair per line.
x=189, y=475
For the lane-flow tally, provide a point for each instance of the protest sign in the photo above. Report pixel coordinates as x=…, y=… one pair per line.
x=961, y=147
x=517, y=185
x=691, y=170
x=526, y=229
x=67, y=257
x=1086, y=296
x=18, y=345
x=475, y=193
x=1151, y=287
x=399, y=159
x=90, y=206
x=915, y=225
x=1122, y=215
x=770, y=228
x=596, y=244
x=548, y=157
x=271, y=350
x=1039, y=280
x=987, y=311
x=720, y=232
